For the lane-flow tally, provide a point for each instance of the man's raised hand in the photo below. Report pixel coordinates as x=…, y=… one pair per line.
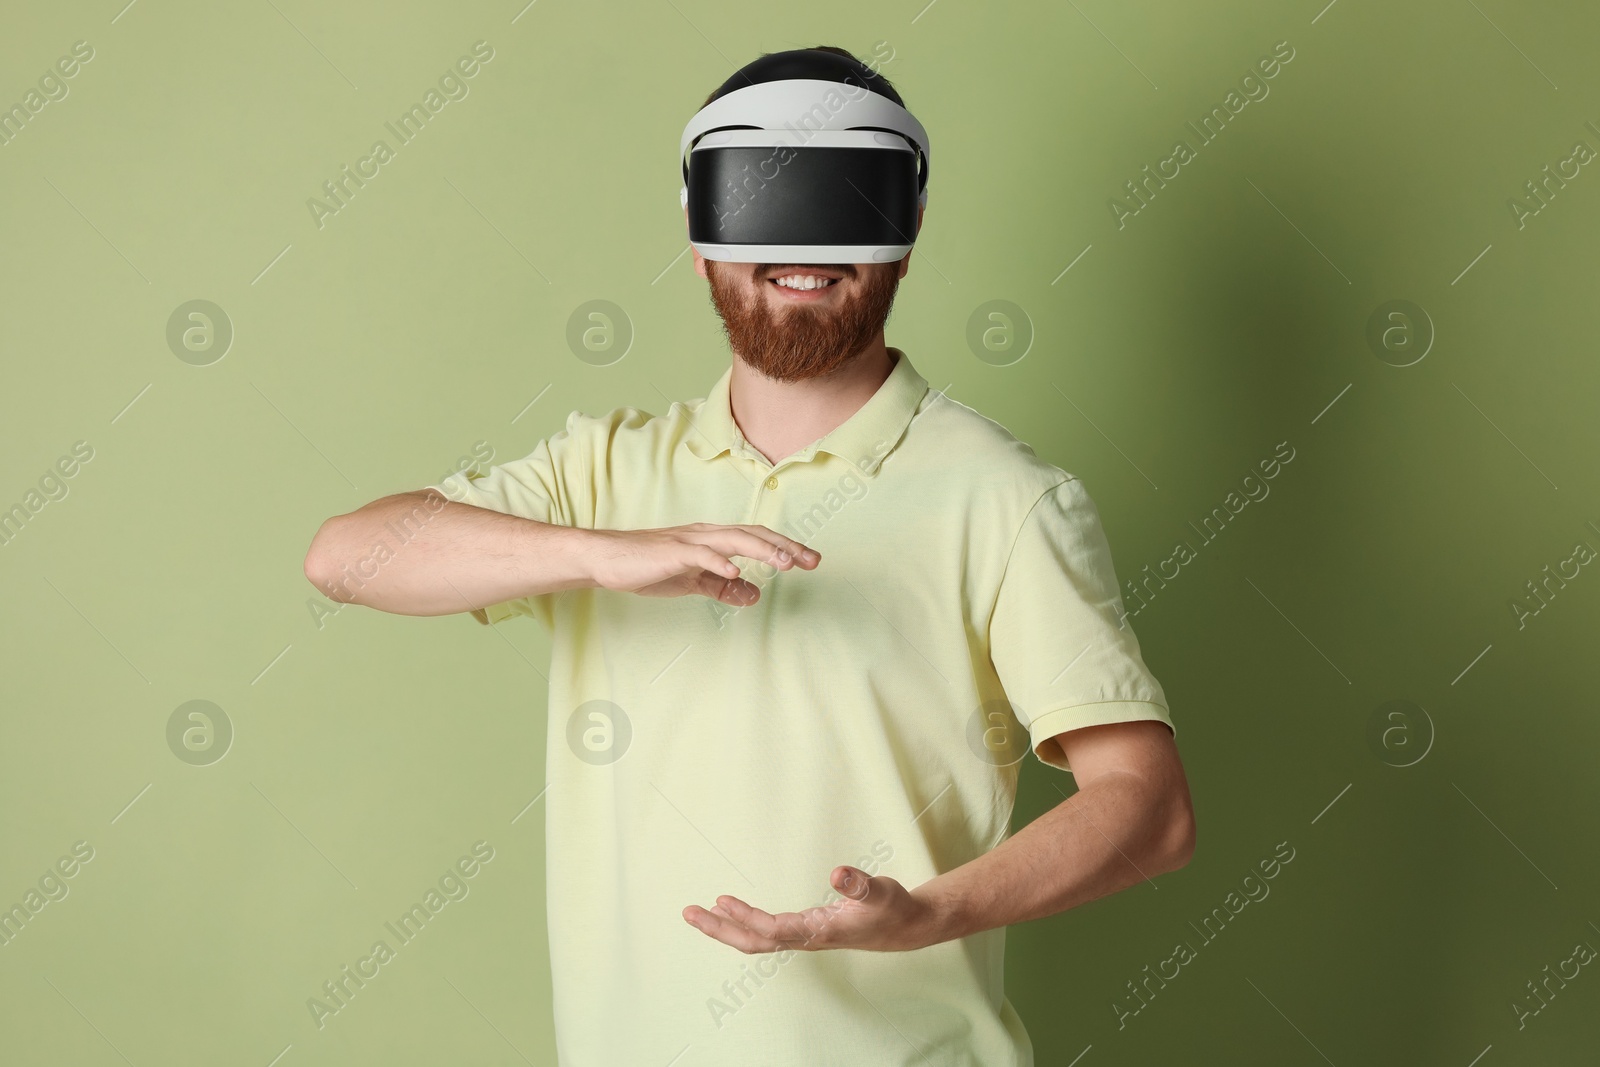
x=680, y=560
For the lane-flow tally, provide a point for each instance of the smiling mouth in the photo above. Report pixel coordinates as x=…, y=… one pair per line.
x=821, y=283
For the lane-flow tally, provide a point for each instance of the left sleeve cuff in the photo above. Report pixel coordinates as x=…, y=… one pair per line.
x=494, y=612
x=1044, y=728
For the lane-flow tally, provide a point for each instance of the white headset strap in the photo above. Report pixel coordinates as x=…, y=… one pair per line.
x=800, y=101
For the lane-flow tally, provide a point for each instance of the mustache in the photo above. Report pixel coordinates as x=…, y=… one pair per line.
x=844, y=270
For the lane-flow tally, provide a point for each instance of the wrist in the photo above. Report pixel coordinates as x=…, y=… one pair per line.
x=556, y=557
x=574, y=545
x=944, y=912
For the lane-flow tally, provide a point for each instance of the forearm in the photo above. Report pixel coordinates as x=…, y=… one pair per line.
x=420, y=554
x=1114, y=832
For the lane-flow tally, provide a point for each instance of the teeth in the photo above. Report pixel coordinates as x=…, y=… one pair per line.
x=804, y=281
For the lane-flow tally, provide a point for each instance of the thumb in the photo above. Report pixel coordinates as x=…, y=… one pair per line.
x=740, y=592
x=853, y=882
x=734, y=591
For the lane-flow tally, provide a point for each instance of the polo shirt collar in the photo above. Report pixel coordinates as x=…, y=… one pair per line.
x=863, y=439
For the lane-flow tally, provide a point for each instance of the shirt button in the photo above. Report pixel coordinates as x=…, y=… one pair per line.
x=772, y=482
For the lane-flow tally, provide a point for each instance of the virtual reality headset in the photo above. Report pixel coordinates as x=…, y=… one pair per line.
x=802, y=170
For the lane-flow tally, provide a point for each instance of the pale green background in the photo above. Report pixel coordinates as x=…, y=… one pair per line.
x=1171, y=357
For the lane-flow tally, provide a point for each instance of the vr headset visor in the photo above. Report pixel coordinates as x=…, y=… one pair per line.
x=803, y=171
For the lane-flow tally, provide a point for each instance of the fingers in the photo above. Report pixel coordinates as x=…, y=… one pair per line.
x=759, y=543
x=788, y=928
x=703, y=554
x=804, y=555
x=751, y=930
x=758, y=922
x=729, y=932
x=713, y=561
x=734, y=591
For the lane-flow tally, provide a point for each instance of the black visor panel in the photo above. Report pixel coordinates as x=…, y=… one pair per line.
x=781, y=195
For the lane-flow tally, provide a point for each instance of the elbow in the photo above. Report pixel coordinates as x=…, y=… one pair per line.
x=1178, y=839
x=321, y=564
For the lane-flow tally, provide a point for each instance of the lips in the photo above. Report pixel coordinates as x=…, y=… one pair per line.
x=788, y=294
x=801, y=272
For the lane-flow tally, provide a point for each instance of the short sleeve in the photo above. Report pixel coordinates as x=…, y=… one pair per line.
x=538, y=486
x=1060, y=643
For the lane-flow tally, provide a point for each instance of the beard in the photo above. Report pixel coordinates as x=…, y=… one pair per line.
x=794, y=342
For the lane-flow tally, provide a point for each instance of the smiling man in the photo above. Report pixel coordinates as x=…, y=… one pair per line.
x=777, y=817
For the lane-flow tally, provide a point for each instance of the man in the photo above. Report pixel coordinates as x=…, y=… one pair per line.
x=923, y=601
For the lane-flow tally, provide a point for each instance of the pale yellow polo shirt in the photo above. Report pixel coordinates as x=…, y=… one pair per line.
x=873, y=711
